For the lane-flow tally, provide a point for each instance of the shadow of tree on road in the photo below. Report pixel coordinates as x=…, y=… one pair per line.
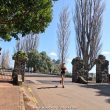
x=104, y=89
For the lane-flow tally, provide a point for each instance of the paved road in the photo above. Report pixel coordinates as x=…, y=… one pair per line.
x=77, y=96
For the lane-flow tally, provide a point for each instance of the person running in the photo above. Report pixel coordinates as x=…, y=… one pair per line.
x=63, y=70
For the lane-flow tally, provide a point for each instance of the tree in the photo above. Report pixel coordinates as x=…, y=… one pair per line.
x=39, y=61
x=87, y=22
x=28, y=43
x=46, y=62
x=56, y=66
x=33, y=57
x=56, y=61
x=5, y=60
x=24, y=16
x=63, y=34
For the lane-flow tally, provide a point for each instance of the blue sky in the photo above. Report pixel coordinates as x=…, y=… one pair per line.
x=48, y=39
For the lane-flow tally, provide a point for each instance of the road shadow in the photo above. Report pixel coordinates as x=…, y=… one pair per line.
x=108, y=100
x=47, y=87
x=54, y=82
x=29, y=81
x=103, y=89
x=3, y=81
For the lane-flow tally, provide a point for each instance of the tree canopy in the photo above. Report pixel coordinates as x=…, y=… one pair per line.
x=41, y=62
x=20, y=55
x=88, y=25
x=24, y=16
x=63, y=34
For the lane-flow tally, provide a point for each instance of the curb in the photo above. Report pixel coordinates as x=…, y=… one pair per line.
x=22, y=106
x=28, y=102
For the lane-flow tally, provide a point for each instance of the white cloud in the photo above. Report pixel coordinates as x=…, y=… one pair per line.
x=53, y=54
x=105, y=53
x=69, y=60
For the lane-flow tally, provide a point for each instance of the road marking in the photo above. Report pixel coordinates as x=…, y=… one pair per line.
x=33, y=98
x=29, y=89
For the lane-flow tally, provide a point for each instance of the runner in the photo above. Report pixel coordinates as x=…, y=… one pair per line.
x=63, y=69
x=62, y=74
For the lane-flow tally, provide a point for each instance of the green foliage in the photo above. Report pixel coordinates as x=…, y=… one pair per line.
x=24, y=16
x=32, y=58
x=20, y=55
x=46, y=62
x=68, y=74
x=56, y=68
x=41, y=62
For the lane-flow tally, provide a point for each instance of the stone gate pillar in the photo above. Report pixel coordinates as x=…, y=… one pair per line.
x=77, y=66
x=19, y=67
x=102, y=73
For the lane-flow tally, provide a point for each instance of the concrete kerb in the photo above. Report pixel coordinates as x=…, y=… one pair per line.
x=22, y=106
x=30, y=101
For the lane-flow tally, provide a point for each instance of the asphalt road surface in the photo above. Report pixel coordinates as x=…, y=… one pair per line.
x=74, y=96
